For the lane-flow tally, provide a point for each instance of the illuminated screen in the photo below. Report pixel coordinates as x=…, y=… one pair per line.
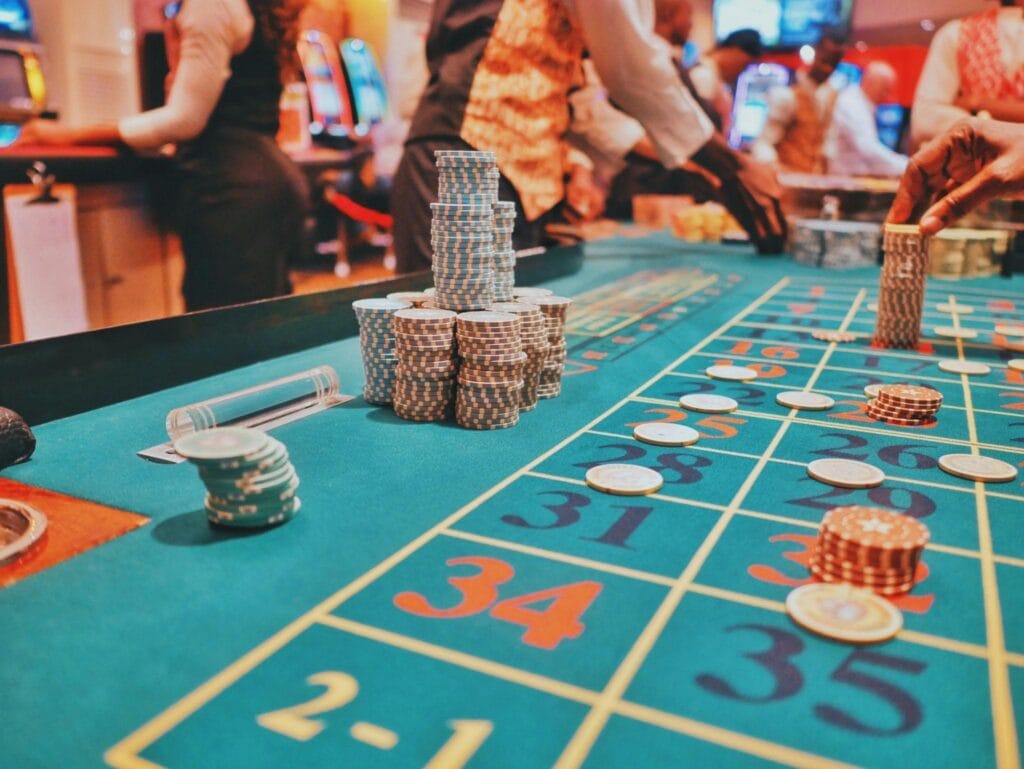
x=369, y=96
x=323, y=90
x=15, y=19
x=890, y=119
x=13, y=86
x=750, y=107
x=782, y=23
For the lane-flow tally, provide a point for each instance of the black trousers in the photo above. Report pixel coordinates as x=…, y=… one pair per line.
x=241, y=211
x=413, y=190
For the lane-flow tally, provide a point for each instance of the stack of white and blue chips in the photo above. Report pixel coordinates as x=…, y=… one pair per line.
x=249, y=478
x=504, y=253
x=462, y=229
x=377, y=346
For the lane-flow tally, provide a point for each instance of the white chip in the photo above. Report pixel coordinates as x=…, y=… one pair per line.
x=665, y=434
x=978, y=468
x=798, y=399
x=626, y=480
x=1010, y=329
x=844, y=613
x=963, y=367
x=845, y=473
x=1017, y=364
x=708, y=404
x=955, y=333
x=731, y=373
x=872, y=307
x=872, y=390
x=949, y=309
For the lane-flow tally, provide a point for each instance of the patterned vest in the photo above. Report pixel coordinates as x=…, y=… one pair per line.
x=979, y=59
x=518, y=101
x=802, y=148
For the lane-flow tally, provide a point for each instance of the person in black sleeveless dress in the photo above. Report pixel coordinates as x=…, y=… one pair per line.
x=241, y=201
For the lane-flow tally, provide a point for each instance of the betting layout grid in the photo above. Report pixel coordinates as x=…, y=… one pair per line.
x=743, y=552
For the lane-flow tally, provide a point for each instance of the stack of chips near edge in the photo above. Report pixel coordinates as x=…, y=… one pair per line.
x=504, y=253
x=901, y=287
x=555, y=309
x=462, y=229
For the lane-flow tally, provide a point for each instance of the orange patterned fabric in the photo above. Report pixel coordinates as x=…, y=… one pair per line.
x=518, y=104
x=980, y=61
x=802, y=148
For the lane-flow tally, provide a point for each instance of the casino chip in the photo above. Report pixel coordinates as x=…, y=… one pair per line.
x=869, y=547
x=731, y=373
x=250, y=481
x=625, y=480
x=872, y=390
x=844, y=613
x=533, y=337
x=491, y=377
x=555, y=310
x=955, y=366
x=901, y=287
x=17, y=443
x=377, y=345
x=826, y=335
x=905, y=405
x=520, y=292
x=708, y=404
x=21, y=526
x=1017, y=364
x=1010, y=329
x=978, y=468
x=804, y=401
x=665, y=434
x=951, y=332
x=845, y=473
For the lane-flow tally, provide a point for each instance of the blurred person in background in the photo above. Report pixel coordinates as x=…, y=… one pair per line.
x=800, y=115
x=500, y=76
x=241, y=201
x=975, y=66
x=856, y=148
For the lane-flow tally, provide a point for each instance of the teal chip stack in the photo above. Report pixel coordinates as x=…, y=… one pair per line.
x=250, y=481
x=462, y=229
x=377, y=345
x=504, y=263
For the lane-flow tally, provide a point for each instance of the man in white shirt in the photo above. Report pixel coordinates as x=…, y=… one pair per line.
x=855, y=146
x=975, y=65
x=799, y=115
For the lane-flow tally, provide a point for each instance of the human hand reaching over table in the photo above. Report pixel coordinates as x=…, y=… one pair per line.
x=972, y=163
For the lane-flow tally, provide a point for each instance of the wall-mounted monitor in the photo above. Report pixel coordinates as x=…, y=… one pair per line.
x=783, y=24
x=365, y=83
x=15, y=20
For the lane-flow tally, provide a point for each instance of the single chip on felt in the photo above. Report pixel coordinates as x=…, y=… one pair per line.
x=665, y=434
x=1010, y=329
x=844, y=613
x=949, y=332
x=833, y=335
x=1017, y=364
x=731, y=373
x=955, y=366
x=16, y=439
x=949, y=309
x=845, y=473
x=978, y=468
x=708, y=404
x=805, y=401
x=872, y=390
x=626, y=480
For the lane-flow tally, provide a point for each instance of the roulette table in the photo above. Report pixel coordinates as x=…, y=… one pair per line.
x=453, y=598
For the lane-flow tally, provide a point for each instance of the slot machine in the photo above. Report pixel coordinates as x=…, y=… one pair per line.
x=333, y=120
x=22, y=85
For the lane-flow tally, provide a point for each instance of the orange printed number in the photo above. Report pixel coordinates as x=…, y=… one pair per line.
x=764, y=370
x=665, y=415
x=1018, y=397
x=719, y=424
x=858, y=414
x=478, y=591
x=545, y=627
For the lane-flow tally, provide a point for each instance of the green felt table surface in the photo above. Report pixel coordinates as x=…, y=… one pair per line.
x=178, y=645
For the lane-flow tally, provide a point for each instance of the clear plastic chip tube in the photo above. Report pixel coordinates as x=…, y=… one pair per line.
x=255, y=406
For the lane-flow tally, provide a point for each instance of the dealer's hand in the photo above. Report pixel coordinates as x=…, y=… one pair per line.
x=973, y=162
